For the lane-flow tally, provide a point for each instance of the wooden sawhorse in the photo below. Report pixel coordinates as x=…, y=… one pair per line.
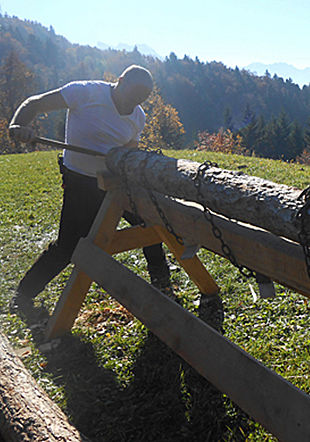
x=104, y=235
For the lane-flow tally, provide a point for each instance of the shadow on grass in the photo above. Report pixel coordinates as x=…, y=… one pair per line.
x=166, y=401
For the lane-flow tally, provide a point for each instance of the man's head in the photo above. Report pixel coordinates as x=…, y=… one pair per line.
x=133, y=87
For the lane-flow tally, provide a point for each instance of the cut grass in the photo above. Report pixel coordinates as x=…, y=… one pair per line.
x=104, y=375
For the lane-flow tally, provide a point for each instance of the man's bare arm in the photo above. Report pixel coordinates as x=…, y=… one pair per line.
x=31, y=107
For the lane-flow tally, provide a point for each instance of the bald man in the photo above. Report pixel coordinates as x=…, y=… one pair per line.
x=100, y=116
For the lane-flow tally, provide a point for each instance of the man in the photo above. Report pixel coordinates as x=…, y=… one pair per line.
x=100, y=116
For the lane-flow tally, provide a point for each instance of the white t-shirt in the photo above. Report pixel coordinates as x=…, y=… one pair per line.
x=94, y=122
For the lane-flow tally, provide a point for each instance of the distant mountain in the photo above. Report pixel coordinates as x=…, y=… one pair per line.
x=284, y=70
x=142, y=48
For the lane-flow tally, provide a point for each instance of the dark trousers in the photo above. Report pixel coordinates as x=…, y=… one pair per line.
x=81, y=202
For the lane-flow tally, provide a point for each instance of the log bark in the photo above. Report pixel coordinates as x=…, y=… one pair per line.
x=26, y=412
x=233, y=194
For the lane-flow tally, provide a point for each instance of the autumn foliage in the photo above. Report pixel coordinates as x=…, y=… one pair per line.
x=222, y=141
x=16, y=83
x=304, y=158
x=163, y=129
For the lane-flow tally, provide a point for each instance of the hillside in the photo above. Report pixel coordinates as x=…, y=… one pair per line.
x=201, y=92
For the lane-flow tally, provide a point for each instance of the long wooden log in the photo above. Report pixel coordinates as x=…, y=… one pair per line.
x=26, y=412
x=234, y=194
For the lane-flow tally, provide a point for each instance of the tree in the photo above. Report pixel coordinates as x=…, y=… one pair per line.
x=304, y=156
x=296, y=141
x=248, y=116
x=261, y=147
x=163, y=127
x=277, y=137
x=250, y=132
x=307, y=135
x=228, y=123
x=16, y=83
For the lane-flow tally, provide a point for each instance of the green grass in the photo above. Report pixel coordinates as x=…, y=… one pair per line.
x=114, y=343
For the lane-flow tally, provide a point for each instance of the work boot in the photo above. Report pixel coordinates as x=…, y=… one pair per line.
x=210, y=310
x=21, y=304
x=160, y=275
x=160, y=278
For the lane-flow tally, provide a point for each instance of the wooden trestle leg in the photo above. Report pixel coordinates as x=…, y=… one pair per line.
x=193, y=266
x=101, y=234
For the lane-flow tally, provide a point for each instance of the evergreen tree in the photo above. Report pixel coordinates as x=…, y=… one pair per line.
x=277, y=137
x=261, y=146
x=307, y=135
x=249, y=131
x=296, y=141
x=248, y=116
x=283, y=132
x=228, y=123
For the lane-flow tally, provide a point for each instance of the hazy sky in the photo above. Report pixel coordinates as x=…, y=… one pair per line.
x=236, y=32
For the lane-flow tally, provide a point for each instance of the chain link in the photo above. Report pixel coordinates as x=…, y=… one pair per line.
x=303, y=216
x=227, y=252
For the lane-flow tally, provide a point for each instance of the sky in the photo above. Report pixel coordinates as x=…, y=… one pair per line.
x=235, y=32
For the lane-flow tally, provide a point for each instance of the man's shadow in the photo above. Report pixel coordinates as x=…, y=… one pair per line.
x=167, y=399
x=96, y=404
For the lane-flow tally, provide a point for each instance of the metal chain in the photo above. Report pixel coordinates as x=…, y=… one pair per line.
x=154, y=200
x=303, y=216
x=127, y=189
x=227, y=252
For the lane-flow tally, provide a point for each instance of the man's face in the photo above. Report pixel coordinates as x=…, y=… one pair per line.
x=132, y=95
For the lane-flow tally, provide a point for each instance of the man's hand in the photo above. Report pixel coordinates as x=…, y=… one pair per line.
x=22, y=133
x=133, y=144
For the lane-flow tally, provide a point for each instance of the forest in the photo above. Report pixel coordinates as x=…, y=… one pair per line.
x=194, y=100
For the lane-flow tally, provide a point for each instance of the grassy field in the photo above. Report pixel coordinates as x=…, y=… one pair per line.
x=114, y=380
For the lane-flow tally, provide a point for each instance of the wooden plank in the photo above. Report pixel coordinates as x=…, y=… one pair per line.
x=193, y=266
x=76, y=289
x=279, y=406
x=69, y=304
x=278, y=258
x=132, y=238
x=107, y=219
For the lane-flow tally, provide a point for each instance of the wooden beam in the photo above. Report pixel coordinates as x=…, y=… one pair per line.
x=69, y=304
x=193, y=266
x=132, y=238
x=77, y=286
x=278, y=258
x=279, y=406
